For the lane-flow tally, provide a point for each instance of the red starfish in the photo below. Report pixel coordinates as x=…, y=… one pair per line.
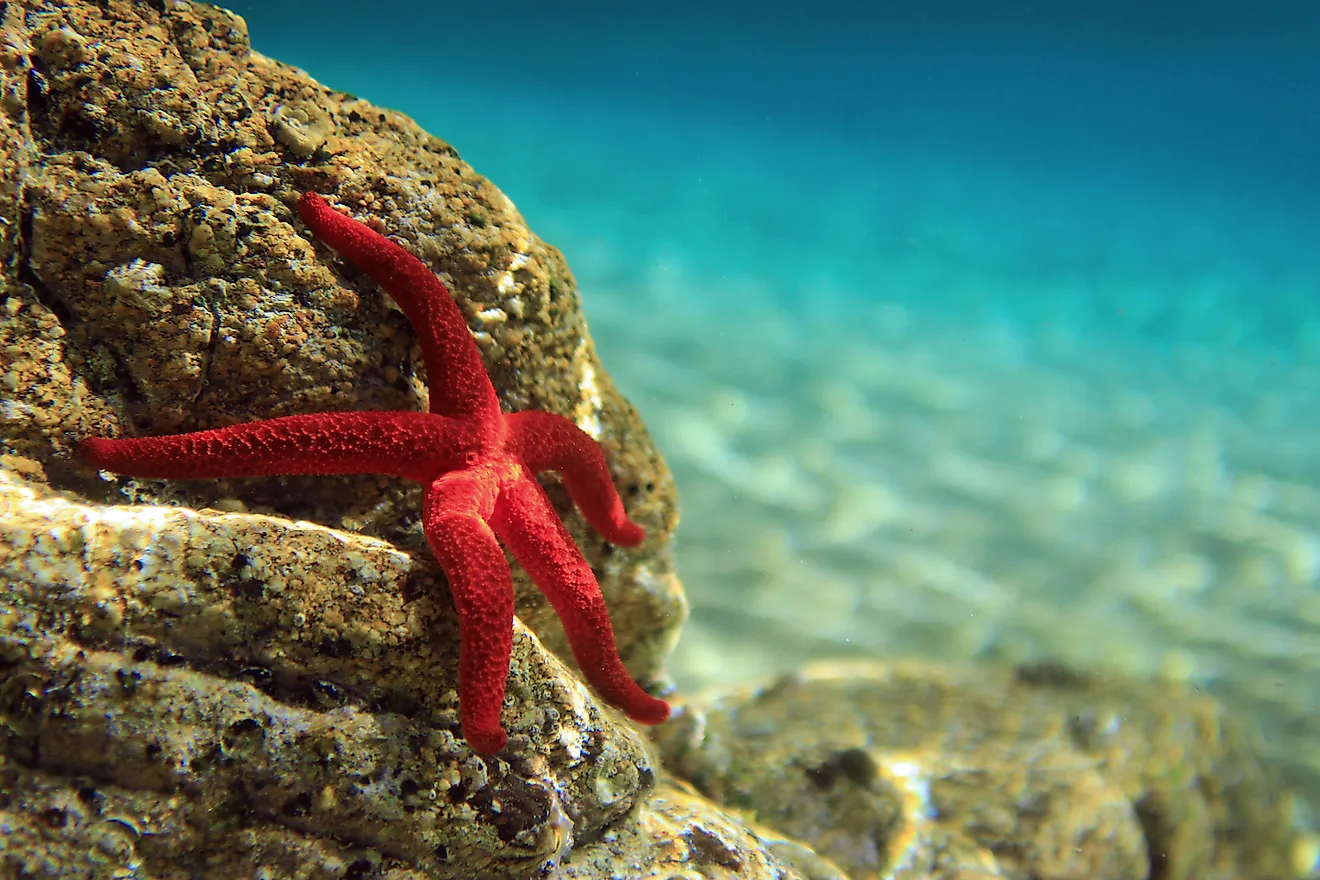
x=478, y=466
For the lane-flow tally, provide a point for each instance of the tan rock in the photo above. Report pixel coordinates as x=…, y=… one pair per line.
x=677, y=835
x=230, y=671
x=156, y=279
x=255, y=677
x=915, y=771
x=192, y=693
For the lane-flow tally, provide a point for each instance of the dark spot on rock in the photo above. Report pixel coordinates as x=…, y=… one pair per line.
x=245, y=725
x=409, y=788
x=328, y=695
x=245, y=730
x=1082, y=729
x=251, y=589
x=398, y=700
x=166, y=657
x=237, y=803
x=78, y=127
x=152, y=751
x=54, y=817
x=441, y=852
x=415, y=586
x=360, y=869
x=1159, y=834
x=852, y=765
x=21, y=701
x=88, y=795
x=257, y=676
x=1049, y=674
x=521, y=810
x=823, y=776
x=141, y=654
x=298, y=805
x=336, y=646
x=204, y=762
x=57, y=303
x=128, y=680
x=645, y=777
x=707, y=848
x=459, y=791
x=858, y=766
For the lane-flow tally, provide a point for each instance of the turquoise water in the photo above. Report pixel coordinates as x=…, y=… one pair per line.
x=968, y=334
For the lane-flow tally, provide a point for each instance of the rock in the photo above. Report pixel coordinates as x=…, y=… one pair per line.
x=156, y=279
x=197, y=693
x=202, y=675
x=914, y=771
x=677, y=834
x=256, y=677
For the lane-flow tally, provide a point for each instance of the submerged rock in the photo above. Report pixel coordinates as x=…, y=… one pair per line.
x=914, y=771
x=156, y=279
x=197, y=693
x=677, y=834
x=200, y=675
x=255, y=678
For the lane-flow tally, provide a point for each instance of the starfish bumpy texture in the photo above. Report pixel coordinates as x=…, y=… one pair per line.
x=477, y=466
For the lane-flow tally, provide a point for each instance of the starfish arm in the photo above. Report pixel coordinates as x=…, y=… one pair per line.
x=407, y=444
x=547, y=442
x=455, y=372
x=454, y=513
x=526, y=521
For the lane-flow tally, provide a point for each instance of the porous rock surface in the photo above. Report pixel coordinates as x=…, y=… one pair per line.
x=256, y=677
x=205, y=694
x=915, y=771
x=157, y=279
x=214, y=668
